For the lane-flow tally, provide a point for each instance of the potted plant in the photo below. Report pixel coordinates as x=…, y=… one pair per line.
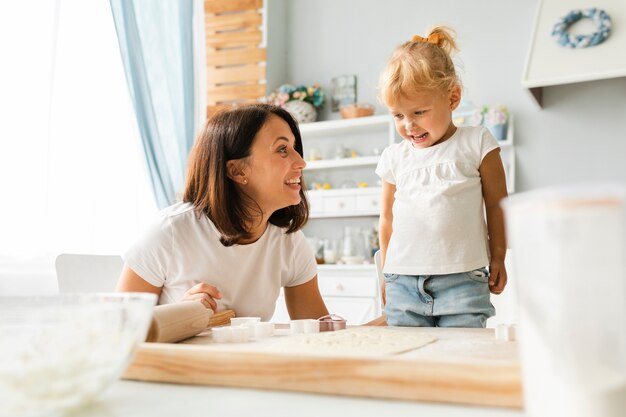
x=301, y=101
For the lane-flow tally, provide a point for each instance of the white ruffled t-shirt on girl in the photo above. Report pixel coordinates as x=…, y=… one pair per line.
x=438, y=213
x=182, y=249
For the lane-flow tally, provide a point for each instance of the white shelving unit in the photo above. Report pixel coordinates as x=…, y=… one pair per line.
x=343, y=163
x=363, y=139
x=350, y=290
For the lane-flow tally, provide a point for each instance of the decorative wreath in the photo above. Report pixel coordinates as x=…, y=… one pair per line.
x=599, y=17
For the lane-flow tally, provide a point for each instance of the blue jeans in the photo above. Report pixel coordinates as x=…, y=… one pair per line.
x=451, y=300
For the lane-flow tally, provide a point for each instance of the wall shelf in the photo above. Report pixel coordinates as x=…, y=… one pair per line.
x=549, y=64
x=342, y=162
x=330, y=127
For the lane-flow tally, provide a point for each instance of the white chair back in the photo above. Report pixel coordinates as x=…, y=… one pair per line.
x=87, y=273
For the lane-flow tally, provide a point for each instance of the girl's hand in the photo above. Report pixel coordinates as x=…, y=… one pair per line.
x=383, y=296
x=204, y=293
x=497, y=277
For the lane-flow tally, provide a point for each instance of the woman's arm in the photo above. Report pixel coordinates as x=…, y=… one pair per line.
x=131, y=282
x=494, y=190
x=304, y=301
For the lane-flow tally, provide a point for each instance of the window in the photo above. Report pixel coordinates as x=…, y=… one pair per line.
x=72, y=169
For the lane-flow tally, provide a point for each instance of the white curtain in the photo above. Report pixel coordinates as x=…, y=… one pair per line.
x=72, y=173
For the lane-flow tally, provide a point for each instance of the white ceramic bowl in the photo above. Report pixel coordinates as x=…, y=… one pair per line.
x=59, y=352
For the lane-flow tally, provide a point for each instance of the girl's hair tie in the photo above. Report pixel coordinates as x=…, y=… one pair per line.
x=434, y=38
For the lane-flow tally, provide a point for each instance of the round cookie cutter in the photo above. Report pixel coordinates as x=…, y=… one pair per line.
x=331, y=323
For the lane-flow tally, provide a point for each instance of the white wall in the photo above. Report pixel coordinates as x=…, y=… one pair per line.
x=577, y=136
x=277, y=34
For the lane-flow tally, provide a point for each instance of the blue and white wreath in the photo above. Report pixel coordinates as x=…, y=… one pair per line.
x=599, y=17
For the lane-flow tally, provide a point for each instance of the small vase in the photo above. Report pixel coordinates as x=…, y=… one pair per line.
x=302, y=111
x=499, y=131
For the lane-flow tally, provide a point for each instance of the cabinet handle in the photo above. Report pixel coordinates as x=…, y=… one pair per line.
x=341, y=204
x=339, y=287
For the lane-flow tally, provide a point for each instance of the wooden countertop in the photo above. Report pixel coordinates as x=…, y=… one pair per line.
x=462, y=366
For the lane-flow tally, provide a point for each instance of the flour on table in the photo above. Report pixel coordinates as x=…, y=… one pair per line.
x=359, y=340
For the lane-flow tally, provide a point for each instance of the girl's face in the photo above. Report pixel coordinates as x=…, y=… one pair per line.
x=424, y=118
x=274, y=168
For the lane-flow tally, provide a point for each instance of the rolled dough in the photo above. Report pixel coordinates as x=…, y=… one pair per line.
x=367, y=341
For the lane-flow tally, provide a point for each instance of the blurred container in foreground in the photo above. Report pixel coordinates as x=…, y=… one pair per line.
x=58, y=353
x=569, y=250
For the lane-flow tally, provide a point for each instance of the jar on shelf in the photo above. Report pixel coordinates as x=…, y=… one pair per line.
x=353, y=247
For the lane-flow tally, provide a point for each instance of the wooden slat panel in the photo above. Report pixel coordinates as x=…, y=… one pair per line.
x=232, y=22
x=235, y=92
x=239, y=56
x=230, y=39
x=241, y=73
x=214, y=108
x=221, y=6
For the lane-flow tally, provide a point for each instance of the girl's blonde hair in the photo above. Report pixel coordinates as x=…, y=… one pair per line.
x=420, y=64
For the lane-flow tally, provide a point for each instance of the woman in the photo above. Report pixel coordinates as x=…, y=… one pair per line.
x=235, y=239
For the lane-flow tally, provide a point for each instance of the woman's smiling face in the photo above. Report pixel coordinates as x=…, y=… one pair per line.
x=274, y=168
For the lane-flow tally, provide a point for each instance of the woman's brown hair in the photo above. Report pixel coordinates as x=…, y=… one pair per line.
x=229, y=135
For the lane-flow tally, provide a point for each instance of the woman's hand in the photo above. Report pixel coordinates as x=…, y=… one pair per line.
x=204, y=293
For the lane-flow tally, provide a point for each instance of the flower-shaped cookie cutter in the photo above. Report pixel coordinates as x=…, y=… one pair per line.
x=332, y=322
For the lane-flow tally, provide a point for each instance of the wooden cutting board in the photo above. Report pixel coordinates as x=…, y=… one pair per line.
x=463, y=366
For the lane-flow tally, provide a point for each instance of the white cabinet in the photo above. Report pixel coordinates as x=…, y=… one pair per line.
x=345, y=154
x=348, y=291
x=342, y=155
x=345, y=203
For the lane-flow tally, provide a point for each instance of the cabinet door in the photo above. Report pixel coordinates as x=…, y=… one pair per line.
x=355, y=310
x=339, y=204
x=368, y=203
x=333, y=284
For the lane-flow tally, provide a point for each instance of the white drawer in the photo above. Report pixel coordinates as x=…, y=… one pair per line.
x=368, y=203
x=339, y=204
x=316, y=204
x=335, y=286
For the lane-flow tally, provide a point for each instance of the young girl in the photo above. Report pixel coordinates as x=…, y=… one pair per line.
x=439, y=184
x=235, y=239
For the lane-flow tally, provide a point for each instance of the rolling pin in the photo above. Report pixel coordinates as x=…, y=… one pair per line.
x=175, y=322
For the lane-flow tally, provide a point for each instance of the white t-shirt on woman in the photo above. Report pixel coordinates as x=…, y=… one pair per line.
x=182, y=249
x=438, y=213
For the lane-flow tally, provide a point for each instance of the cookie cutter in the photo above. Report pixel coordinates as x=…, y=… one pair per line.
x=331, y=323
x=304, y=326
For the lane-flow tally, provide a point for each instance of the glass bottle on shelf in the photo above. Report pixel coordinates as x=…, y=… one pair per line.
x=331, y=251
x=353, y=248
